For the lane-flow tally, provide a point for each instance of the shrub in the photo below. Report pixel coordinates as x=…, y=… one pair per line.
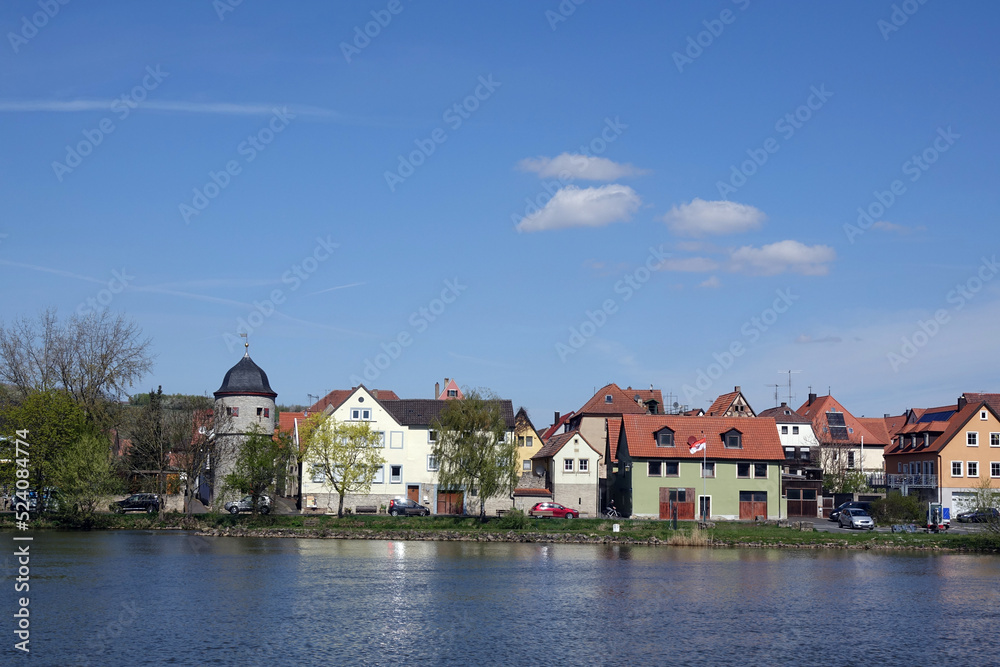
x=897, y=508
x=512, y=520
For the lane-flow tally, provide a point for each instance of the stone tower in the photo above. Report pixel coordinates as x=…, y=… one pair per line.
x=244, y=400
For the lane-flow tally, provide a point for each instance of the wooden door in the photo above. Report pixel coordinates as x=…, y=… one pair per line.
x=680, y=499
x=449, y=502
x=413, y=493
x=752, y=505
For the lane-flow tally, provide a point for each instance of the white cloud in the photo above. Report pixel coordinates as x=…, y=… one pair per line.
x=702, y=217
x=572, y=165
x=712, y=282
x=693, y=264
x=783, y=256
x=583, y=207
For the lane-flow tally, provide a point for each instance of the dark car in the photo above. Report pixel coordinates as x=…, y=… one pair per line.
x=979, y=516
x=137, y=502
x=856, y=504
x=245, y=504
x=406, y=507
x=554, y=510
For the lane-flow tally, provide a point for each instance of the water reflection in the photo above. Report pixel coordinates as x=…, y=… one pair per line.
x=288, y=601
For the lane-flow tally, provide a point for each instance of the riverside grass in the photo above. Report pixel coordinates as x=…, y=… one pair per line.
x=470, y=528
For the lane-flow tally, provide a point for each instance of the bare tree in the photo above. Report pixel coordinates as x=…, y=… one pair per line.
x=193, y=446
x=93, y=357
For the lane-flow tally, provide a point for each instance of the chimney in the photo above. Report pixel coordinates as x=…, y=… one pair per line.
x=785, y=405
x=737, y=389
x=885, y=416
x=555, y=420
x=374, y=393
x=812, y=397
x=962, y=402
x=437, y=389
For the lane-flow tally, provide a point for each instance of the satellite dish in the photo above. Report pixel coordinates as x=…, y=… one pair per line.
x=676, y=404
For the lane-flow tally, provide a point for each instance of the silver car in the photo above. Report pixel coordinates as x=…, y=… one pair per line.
x=855, y=518
x=245, y=504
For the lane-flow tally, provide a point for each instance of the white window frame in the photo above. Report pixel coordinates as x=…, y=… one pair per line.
x=994, y=468
x=649, y=470
x=361, y=414
x=526, y=465
x=318, y=476
x=972, y=438
x=529, y=441
x=432, y=463
x=698, y=509
x=379, y=476
x=583, y=465
x=972, y=468
x=749, y=474
x=381, y=439
x=784, y=431
x=568, y=465
x=795, y=430
x=754, y=469
x=983, y=416
x=395, y=479
x=994, y=439
x=960, y=468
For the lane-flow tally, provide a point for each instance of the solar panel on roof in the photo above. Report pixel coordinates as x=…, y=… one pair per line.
x=835, y=419
x=942, y=416
x=838, y=432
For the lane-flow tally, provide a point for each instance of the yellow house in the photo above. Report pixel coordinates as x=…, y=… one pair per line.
x=948, y=460
x=528, y=442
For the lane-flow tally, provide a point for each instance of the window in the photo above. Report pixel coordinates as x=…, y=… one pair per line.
x=804, y=453
x=654, y=469
x=395, y=474
x=743, y=470
x=760, y=470
x=850, y=460
x=453, y=393
x=608, y=398
x=233, y=412
x=665, y=438
x=395, y=440
x=789, y=453
x=972, y=469
x=567, y=465
x=584, y=465
x=899, y=467
x=260, y=411
x=317, y=475
x=520, y=441
x=381, y=439
x=671, y=469
x=432, y=463
x=708, y=469
x=705, y=506
x=956, y=468
x=734, y=440
x=432, y=436
x=995, y=469
x=529, y=441
x=677, y=495
x=363, y=414
x=994, y=439
x=784, y=430
x=795, y=430
x=982, y=415
x=526, y=465
x=972, y=438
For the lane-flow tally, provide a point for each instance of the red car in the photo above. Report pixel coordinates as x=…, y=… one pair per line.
x=555, y=510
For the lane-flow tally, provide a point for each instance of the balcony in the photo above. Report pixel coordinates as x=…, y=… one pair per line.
x=899, y=481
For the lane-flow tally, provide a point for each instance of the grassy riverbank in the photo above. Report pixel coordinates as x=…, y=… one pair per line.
x=522, y=529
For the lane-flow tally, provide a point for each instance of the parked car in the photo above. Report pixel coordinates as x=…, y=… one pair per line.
x=245, y=504
x=857, y=504
x=406, y=507
x=979, y=516
x=852, y=517
x=554, y=510
x=137, y=502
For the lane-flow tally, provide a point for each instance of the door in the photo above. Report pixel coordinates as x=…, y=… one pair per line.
x=449, y=502
x=413, y=493
x=802, y=502
x=680, y=499
x=752, y=505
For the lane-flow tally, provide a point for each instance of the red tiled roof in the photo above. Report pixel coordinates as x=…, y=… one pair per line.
x=783, y=414
x=551, y=430
x=556, y=442
x=286, y=420
x=876, y=426
x=645, y=395
x=533, y=492
x=856, y=430
x=993, y=400
x=946, y=430
x=760, y=437
x=614, y=429
x=722, y=404
x=894, y=424
x=621, y=403
x=336, y=397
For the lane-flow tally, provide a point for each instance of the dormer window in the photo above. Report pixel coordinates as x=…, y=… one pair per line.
x=608, y=398
x=733, y=439
x=665, y=438
x=453, y=393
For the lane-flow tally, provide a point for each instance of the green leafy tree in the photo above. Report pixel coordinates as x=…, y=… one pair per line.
x=346, y=453
x=83, y=475
x=258, y=462
x=53, y=421
x=473, y=448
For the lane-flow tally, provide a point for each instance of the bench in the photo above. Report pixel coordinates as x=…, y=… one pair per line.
x=366, y=509
x=502, y=512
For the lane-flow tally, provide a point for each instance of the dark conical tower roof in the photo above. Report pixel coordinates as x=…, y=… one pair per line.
x=245, y=378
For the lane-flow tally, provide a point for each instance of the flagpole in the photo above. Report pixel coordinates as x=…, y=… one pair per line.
x=704, y=480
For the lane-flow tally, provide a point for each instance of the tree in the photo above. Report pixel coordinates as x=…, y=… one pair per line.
x=258, y=462
x=83, y=474
x=473, y=449
x=94, y=357
x=190, y=435
x=53, y=422
x=984, y=498
x=346, y=453
x=149, y=451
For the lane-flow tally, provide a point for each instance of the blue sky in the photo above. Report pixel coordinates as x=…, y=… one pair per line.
x=515, y=195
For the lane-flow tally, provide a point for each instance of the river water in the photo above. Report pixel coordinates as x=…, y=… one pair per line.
x=161, y=598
